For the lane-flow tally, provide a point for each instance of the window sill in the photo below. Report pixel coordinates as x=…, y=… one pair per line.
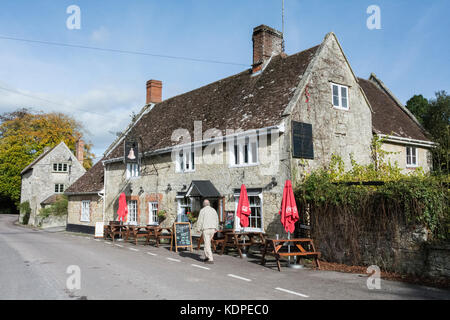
x=340, y=108
x=244, y=165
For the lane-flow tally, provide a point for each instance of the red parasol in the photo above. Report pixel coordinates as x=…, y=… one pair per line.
x=288, y=212
x=243, y=209
x=122, y=212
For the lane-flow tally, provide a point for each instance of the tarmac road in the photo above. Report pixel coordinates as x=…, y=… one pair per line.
x=34, y=264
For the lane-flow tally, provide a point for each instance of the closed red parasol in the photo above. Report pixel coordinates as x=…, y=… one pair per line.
x=288, y=212
x=243, y=209
x=122, y=212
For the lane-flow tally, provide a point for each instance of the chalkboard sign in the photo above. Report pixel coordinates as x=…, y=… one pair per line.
x=181, y=236
x=302, y=140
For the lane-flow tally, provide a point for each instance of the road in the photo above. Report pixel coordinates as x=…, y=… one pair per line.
x=34, y=265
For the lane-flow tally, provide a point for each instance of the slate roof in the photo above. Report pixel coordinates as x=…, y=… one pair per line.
x=203, y=188
x=90, y=182
x=388, y=117
x=243, y=101
x=52, y=199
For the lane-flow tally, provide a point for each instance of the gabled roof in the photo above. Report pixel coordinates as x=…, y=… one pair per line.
x=244, y=101
x=89, y=183
x=52, y=199
x=389, y=117
x=39, y=158
x=202, y=188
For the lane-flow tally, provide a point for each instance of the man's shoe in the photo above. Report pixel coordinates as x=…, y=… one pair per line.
x=209, y=262
x=205, y=259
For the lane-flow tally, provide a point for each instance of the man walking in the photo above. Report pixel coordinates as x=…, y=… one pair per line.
x=207, y=223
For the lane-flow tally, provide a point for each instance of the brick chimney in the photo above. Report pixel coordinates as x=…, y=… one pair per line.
x=154, y=91
x=266, y=42
x=79, y=150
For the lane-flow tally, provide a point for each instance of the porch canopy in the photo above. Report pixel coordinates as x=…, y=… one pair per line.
x=202, y=188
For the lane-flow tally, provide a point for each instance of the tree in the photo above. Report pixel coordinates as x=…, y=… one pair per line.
x=23, y=137
x=434, y=115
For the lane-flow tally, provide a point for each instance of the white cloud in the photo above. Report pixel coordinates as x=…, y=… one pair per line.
x=100, y=35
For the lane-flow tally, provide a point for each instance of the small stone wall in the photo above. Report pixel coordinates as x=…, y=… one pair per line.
x=52, y=221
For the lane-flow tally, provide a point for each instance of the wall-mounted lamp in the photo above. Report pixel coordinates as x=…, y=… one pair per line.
x=141, y=190
x=273, y=183
x=184, y=187
x=169, y=188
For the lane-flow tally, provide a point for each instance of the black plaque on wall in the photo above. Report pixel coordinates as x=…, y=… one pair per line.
x=302, y=140
x=131, y=151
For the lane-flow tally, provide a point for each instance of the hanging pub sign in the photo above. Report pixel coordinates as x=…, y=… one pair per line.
x=302, y=140
x=131, y=151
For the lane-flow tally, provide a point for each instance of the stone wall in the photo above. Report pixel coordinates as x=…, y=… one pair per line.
x=95, y=209
x=335, y=131
x=398, y=154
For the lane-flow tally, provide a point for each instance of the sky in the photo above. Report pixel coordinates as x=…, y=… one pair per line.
x=101, y=89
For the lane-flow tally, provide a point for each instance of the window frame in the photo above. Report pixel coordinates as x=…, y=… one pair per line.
x=153, y=215
x=132, y=222
x=83, y=213
x=184, y=158
x=58, y=188
x=133, y=170
x=250, y=194
x=239, y=144
x=411, y=156
x=340, y=86
x=61, y=167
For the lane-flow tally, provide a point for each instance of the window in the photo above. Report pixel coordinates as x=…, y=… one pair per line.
x=411, y=157
x=255, y=219
x=244, y=151
x=132, y=212
x=340, y=96
x=132, y=170
x=59, y=188
x=185, y=161
x=60, y=167
x=85, y=210
x=153, y=213
x=184, y=206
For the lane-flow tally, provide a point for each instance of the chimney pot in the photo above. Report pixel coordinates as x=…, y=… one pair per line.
x=154, y=91
x=266, y=42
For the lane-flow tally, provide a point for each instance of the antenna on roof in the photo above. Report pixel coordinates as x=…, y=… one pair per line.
x=282, y=24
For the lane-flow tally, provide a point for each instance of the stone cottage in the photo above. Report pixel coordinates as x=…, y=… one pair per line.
x=283, y=116
x=48, y=176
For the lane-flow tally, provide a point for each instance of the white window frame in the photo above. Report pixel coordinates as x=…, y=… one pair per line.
x=183, y=204
x=238, y=224
x=59, y=188
x=132, y=212
x=133, y=170
x=340, y=105
x=237, y=149
x=411, y=157
x=60, y=167
x=185, y=161
x=153, y=213
x=85, y=211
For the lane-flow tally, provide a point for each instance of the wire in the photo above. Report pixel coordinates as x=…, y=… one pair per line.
x=120, y=51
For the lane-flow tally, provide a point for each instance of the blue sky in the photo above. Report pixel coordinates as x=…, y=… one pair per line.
x=411, y=53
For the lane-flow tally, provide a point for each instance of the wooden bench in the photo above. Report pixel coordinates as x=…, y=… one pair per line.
x=137, y=232
x=239, y=240
x=302, y=247
x=215, y=242
x=113, y=229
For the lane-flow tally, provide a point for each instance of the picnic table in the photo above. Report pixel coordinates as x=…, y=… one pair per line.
x=158, y=233
x=300, y=247
x=215, y=242
x=240, y=240
x=137, y=232
x=114, y=228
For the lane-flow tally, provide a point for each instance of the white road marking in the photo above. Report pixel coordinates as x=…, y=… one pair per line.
x=292, y=292
x=152, y=254
x=172, y=259
x=87, y=238
x=133, y=249
x=97, y=239
x=197, y=266
x=237, y=277
x=119, y=245
x=107, y=242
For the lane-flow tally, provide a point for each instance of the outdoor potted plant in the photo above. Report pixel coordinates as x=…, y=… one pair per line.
x=192, y=216
x=161, y=215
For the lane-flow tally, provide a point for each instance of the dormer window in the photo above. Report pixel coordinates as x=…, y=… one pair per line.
x=340, y=96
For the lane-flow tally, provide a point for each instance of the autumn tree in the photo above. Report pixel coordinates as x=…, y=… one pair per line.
x=24, y=135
